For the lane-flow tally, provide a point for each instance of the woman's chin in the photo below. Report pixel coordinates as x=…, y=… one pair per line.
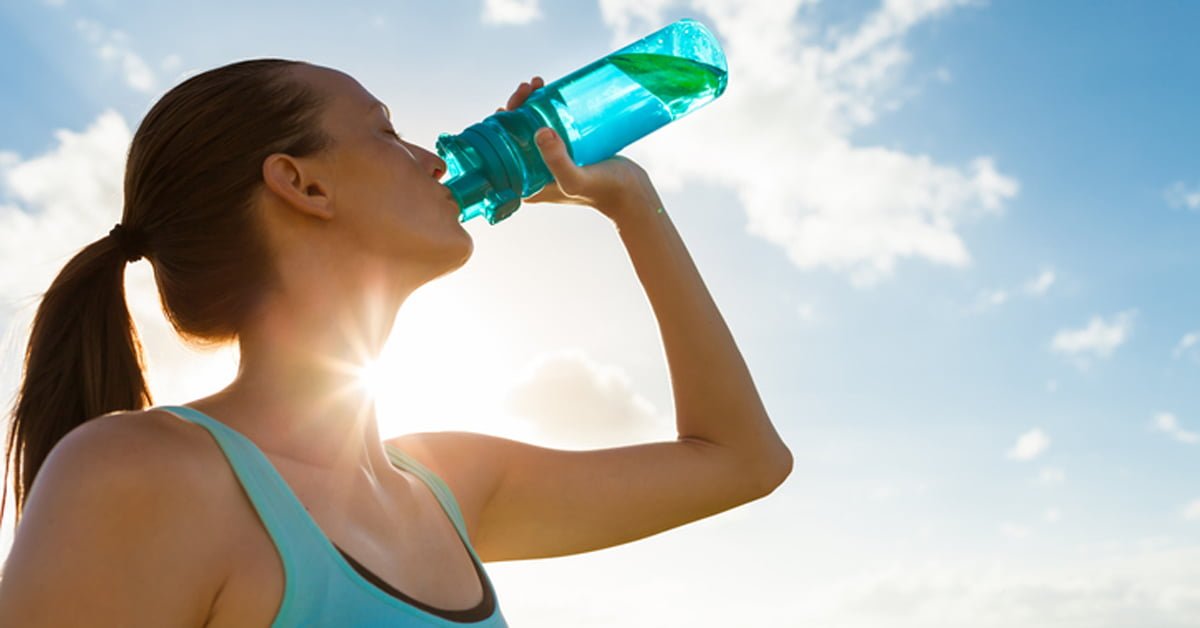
x=467, y=252
x=456, y=256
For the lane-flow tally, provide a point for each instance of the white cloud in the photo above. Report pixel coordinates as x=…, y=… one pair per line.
x=1052, y=515
x=1098, y=338
x=1030, y=445
x=1015, y=531
x=992, y=298
x=1035, y=287
x=1188, y=341
x=620, y=14
x=784, y=129
x=1192, y=511
x=1040, y=284
x=1179, y=196
x=575, y=400
x=63, y=199
x=898, y=489
x=1167, y=423
x=1051, y=476
x=112, y=46
x=171, y=63
x=806, y=312
x=1157, y=587
x=510, y=11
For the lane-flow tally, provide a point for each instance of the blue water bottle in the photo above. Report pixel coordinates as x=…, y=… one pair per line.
x=597, y=110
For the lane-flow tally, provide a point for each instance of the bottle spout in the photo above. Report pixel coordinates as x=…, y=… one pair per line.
x=483, y=180
x=470, y=190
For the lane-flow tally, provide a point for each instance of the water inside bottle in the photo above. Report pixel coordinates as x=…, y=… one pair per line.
x=681, y=84
x=629, y=95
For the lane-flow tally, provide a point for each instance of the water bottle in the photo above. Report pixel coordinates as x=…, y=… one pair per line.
x=597, y=110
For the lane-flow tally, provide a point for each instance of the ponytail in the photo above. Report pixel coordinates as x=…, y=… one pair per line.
x=83, y=360
x=192, y=177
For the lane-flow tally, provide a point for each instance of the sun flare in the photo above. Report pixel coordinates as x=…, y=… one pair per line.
x=371, y=377
x=438, y=369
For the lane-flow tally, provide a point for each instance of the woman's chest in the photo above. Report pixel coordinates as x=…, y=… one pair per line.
x=414, y=548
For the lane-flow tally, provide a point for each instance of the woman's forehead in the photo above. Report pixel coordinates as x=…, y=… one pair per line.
x=346, y=92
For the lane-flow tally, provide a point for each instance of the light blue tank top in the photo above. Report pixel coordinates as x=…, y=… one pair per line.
x=321, y=588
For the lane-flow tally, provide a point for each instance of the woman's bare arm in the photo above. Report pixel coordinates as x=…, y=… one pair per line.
x=523, y=501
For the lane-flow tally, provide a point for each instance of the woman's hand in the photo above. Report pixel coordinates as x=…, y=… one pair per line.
x=616, y=187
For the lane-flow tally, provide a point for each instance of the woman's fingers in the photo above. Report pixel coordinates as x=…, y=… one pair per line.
x=554, y=153
x=518, y=97
x=522, y=92
x=514, y=101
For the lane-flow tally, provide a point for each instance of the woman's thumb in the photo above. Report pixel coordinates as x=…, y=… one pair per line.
x=554, y=153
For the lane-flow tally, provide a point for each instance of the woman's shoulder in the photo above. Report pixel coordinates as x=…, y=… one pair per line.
x=153, y=460
x=144, y=454
x=122, y=488
x=161, y=449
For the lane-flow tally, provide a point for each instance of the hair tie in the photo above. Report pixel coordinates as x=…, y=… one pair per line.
x=131, y=242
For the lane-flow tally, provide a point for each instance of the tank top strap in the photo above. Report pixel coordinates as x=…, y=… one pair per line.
x=322, y=588
x=277, y=505
x=293, y=531
x=439, y=487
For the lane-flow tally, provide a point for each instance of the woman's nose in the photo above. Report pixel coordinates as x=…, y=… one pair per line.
x=434, y=164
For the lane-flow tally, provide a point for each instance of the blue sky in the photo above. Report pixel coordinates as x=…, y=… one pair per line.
x=955, y=242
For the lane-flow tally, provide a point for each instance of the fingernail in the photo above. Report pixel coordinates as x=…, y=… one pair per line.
x=545, y=135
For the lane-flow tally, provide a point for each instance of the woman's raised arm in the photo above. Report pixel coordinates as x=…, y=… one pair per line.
x=524, y=501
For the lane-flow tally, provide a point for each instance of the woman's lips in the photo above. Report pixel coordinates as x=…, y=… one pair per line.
x=450, y=198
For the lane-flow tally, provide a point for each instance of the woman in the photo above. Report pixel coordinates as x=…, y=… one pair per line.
x=281, y=211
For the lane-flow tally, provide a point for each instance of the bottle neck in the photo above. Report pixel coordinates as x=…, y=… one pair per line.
x=484, y=181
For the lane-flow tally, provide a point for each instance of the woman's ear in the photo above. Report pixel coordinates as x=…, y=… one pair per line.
x=299, y=184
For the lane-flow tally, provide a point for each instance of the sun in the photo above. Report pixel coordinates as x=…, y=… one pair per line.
x=372, y=377
x=440, y=369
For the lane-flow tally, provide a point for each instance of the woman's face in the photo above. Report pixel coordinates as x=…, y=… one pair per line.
x=384, y=192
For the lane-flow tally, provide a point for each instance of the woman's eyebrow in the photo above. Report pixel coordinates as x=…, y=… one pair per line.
x=386, y=111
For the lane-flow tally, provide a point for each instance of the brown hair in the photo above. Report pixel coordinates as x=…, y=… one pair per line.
x=194, y=166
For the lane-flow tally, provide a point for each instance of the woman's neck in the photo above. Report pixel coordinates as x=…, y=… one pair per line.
x=299, y=391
